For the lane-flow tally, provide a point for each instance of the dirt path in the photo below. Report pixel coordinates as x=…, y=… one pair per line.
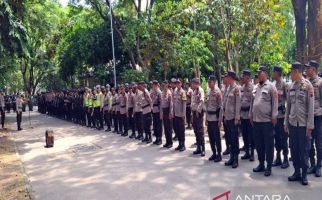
x=12, y=184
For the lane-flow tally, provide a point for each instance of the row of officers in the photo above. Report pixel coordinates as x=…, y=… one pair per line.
x=287, y=116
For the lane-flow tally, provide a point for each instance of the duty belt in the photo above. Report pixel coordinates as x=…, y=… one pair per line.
x=155, y=105
x=214, y=112
x=145, y=106
x=282, y=109
x=123, y=106
x=245, y=108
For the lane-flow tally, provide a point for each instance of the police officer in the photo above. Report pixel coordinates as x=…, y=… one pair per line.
x=117, y=109
x=114, y=112
x=19, y=102
x=156, y=103
x=166, y=115
x=2, y=108
x=188, y=108
x=316, y=145
x=173, y=88
x=130, y=107
x=299, y=122
x=146, y=103
x=123, y=111
x=138, y=118
x=107, y=108
x=214, y=114
x=280, y=136
x=246, y=126
x=197, y=103
x=224, y=89
x=263, y=114
x=179, y=112
x=231, y=106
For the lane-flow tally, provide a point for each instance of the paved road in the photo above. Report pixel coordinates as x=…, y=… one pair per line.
x=90, y=164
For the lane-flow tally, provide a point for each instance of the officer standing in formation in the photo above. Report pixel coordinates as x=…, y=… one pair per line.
x=280, y=136
x=2, y=109
x=19, y=102
x=156, y=103
x=231, y=106
x=263, y=115
x=214, y=115
x=197, y=104
x=166, y=114
x=316, y=143
x=246, y=126
x=179, y=112
x=299, y=122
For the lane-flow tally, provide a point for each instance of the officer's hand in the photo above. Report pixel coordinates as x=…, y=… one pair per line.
x=286, y=128
x=309, y=132
x=274, y=121
x=219, y=125
x=206, y=123
x=251, y=121
x=236, y=122
x=161, y=116
x=170, y=116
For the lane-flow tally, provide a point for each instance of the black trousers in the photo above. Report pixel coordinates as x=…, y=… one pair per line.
x=300, y=145
x=19, y=118
x=107, y=120
x=124, y=123
x=138, y=117
x=214, y=137
x=3, y=116
x=264, y=142
x=281, y=138
x=131, y=120
x=232, y=134
x=247, y=132
x=115, y=121
x=179, y=128
x=120, y=121
x=157, y=125
x=90, y=120
x=98, y=117
x=167, y=125
x=316, y=143
x=227, y=142
x=147, y=122
x=188, y=116
x=197, y=124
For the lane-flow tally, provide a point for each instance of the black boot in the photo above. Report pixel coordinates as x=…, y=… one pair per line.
x=277, y=161
x=132, y=135
x=246, y=156
x=178, y=147
x=259, y=168
x=318, y=171
x=285, y=163
x=268, y=171
x=251, y=155
x=226, y=152
x=203, y=150
x=311, y=170
x=198, y=150
x=182, y=148
x=304, y=177
x=218, y=157
x=230, y=161
x=159, y=142
x=156, y=141
x=235, y=162
x=212, y=157
x=149, y=140
x=296, y=175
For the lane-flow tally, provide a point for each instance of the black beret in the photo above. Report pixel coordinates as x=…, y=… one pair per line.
x=224, y=75
x=247, y=73
x=231, y=74
x=195, y=80
x=155, y=82
x=313, y=63
x=297, y=65
x=278, y=69
x=141, y=83
x=212, y=78
x=165, y=82
x=262, y=69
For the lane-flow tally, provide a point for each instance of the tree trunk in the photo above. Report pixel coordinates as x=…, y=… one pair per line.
x=300, y=16
x=314, y=30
